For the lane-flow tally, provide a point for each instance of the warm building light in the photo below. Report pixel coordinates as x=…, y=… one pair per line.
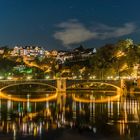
x=47, y=77
x=1, y=77
x=9, y=78
x=29, y=77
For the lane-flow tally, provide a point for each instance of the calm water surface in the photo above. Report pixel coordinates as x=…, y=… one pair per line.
x=66, y=119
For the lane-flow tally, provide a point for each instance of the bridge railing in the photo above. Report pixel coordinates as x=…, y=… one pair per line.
x=113, y=82
x=8, y=82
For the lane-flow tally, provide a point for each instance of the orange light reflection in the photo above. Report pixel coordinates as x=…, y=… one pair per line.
x=103, y=100
x=5, y=96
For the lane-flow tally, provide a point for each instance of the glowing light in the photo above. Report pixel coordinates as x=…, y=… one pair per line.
x=5, y=96
x=80, y=76
x=124, y=67
x=9, y=104
x=92, y=77
x=102, y=100
x=1, y=77
x=74, y=77
x=116, y=78
x=120, y=54
x=47, y=77
x=14, y=129
x=28, y=103
x=29, y=77
x=27, y=82
x=9, y=78
x=65, y=71
x=33, y=64
x=96, y=101
x=101, y=83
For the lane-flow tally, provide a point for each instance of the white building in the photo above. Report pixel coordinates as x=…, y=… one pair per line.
x=28, y=51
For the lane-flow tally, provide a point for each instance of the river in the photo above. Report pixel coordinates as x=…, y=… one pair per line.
x=83, y=115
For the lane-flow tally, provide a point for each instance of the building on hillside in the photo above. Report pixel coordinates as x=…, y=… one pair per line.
x=33, y=51
x=1, y=51
x=54, y=53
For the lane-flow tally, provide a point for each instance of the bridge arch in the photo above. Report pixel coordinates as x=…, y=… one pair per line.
x=115, y=97
x=17, y=99
x=94, y=82
x=27, y=83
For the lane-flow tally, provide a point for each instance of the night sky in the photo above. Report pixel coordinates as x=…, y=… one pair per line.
x=62, y=24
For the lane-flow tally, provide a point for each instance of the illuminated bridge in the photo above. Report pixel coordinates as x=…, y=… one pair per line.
x=63, y=84
x=23, y=85
x=91, y=84
x=59, y=86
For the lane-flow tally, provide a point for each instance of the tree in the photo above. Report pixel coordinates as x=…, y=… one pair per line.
x=75, y=71
x=103, y=60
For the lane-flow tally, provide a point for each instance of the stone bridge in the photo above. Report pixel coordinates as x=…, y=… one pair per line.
x=76, y=83
x=9, y=83
x=62, y=84
x=58, y=85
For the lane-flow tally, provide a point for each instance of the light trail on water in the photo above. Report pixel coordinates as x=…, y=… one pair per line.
x=16, y=99
x=103, y=100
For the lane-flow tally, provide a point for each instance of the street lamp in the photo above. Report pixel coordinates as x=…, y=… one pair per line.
x=1, y=77
x=9, y=78
x=47, y=77
x=29, y=77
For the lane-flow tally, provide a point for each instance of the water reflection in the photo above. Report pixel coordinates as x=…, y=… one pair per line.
x=118, y=117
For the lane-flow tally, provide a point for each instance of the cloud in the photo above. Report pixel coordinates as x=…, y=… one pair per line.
x=74, y=32
x=107, y=32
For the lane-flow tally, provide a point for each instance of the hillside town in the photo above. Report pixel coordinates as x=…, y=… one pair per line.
x=111, y=61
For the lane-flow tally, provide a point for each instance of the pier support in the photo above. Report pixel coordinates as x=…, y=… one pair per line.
x=61, y=85
x=123, y=87
x=61, y=90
